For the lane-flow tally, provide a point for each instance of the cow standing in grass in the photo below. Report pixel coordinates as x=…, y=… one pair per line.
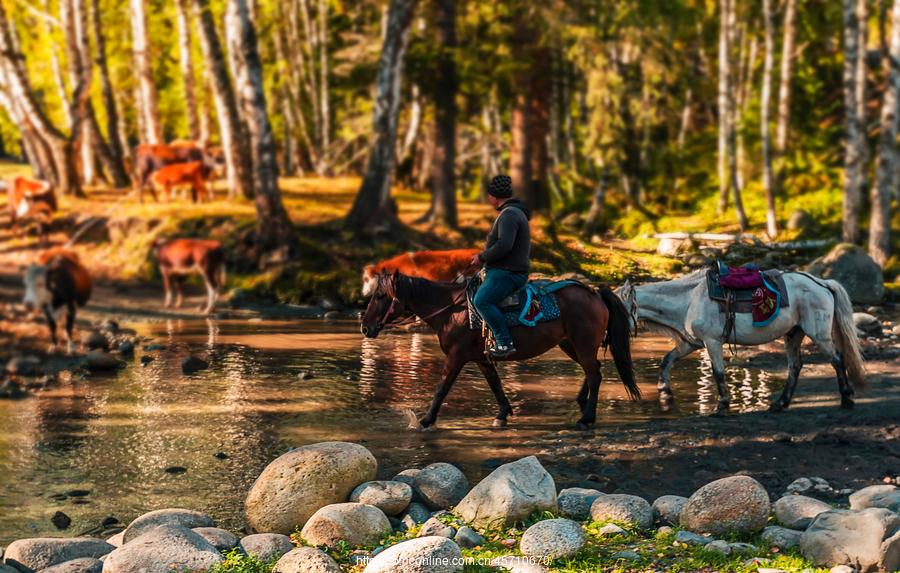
x=150, y=158
x=179, y=258
x=191, y=175
x=57, y=280
x=30, y=199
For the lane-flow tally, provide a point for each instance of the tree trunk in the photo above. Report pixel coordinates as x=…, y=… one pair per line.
x=273, y=228
x=855, y=137
x=78, y=55
x=882, y=193
x=115, y=145
x=733, y=112
x=237, y=155
x=58, y=81
x=520, y=150
x=446, y=84
x=764, y=121
x=373, y=205
x=186, y=59
x=147, y=101
x=724, y=104
x=538, y=130
x=784, y=88
x=323, y=76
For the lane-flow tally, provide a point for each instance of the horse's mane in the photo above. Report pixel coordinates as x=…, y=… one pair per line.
x=424, y=289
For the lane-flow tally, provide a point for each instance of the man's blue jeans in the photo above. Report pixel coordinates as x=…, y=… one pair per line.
x=498, y=284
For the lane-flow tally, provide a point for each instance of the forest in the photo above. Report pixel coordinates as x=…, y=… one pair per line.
x=615, y=116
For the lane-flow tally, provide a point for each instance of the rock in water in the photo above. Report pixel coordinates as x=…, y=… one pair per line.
x=553, y=539
x=218, y=538
x=193, y=364
x=857, y=272
x=391, y=497
x=575, y=502
x=866, y=539
x=163, y=549
x=733, y=505
x=266, y=546
x=509, y=494
x=84, y=565
x=354, y=523
x=43, y=552
x=421, y=555
x=781, y=537
x=440, y=485
x=24, y=365
x=100, y=361
x=667, y=509
x=886, y=496
x=95, y=340
x=183, y=517
x=623, y=507
x=797, y=511
x=306, y=560
x=297, y=484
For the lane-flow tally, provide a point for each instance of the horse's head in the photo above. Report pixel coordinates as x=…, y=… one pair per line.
x=383, y=307
x=626, y=292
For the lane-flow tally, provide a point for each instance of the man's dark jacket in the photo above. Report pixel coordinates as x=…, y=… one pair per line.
x=509, y=242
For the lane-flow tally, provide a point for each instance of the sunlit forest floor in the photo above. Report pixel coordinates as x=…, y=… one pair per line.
x=328, y=261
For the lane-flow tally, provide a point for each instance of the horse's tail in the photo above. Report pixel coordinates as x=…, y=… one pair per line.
x=844, y=332
x=618, y=338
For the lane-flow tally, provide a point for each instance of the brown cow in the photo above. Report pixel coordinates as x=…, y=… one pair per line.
x=30, y=199
x=446, y=266
x=191, y=175
x=149, y=158
x=57, y=279
x=180, y=257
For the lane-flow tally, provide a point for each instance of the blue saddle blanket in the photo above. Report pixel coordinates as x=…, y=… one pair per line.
x=533, y=304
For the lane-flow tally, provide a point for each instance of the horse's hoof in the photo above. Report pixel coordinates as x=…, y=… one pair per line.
x=499, y=423
x=847, y=403
x=666, y=396
x=722, y=408
x=776, y=407
x=583, y=426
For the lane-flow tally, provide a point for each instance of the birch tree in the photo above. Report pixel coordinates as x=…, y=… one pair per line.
x=854, y=154
x=273, y=228
x=148, y=98
x=186, y=61
x=784, y=83
x=373, y=206
x=886, y=176
x=764, y=121
x=728, y=172
x=237, y=156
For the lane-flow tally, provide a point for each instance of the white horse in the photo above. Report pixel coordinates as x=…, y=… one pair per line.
x=819, y=308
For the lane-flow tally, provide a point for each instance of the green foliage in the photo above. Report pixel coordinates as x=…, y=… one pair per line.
x=238, y=562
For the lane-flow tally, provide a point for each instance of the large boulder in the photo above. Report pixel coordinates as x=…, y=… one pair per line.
x=797, y=511
x=391, y=497
x=162, y=550
x=297, y=484
x=623, y=507
x=509, y=494
x=865, y=539
x=440, y=485
x=886, y=496
x=857, y=272
x=266, y=546
x=733, y=505
x=354, y=523
x=183, y=517
x=575, y=502
x=306, y=560
x=553, y=539
x=420, y=555
x=667, y=509
x=41, y=552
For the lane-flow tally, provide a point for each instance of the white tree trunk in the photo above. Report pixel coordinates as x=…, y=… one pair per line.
x=152, y=133
x=764, y=121
x=854, y=155
x=186, y=61
x=882, y=193
x=784, y=84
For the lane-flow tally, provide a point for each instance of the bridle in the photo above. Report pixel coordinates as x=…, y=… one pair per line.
x=397, y=304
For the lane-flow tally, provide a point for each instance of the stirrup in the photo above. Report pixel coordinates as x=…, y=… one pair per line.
x=502, y=351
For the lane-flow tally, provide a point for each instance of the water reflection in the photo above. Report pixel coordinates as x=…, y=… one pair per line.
x=750, y=389
x=116, y=435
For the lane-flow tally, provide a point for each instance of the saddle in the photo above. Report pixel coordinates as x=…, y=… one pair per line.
x=532, y=304
x=746, y=289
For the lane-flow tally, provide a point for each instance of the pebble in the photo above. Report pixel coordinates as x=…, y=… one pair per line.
x=691, y=538
x=610, y=530
x=60, y=520
x=628, y=555
x=468, y=538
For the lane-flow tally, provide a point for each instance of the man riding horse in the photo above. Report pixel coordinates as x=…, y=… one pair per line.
x=506, y=261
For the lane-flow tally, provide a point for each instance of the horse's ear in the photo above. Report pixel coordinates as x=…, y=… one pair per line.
x=627, y=285
x=396, y=274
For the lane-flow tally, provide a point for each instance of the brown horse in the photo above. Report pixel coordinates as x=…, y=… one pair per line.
x=588, y=320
